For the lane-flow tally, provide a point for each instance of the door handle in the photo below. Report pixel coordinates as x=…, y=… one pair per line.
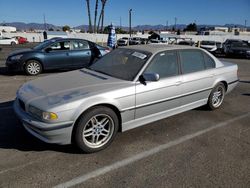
x=67, y=54
x=178, y=83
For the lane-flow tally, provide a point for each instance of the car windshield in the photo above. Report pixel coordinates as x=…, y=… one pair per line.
x=240, y=44
x=121, y=63
x=43, y=45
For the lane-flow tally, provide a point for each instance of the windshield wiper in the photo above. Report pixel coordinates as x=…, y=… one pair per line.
x=102, y=72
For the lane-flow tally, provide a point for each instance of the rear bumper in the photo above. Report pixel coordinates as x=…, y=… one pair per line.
x=57, y=133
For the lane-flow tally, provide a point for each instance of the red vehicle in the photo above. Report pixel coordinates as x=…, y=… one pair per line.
x=21, y=40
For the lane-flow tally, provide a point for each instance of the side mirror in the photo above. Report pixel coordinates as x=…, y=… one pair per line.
x=48, y=50
x=152, y=77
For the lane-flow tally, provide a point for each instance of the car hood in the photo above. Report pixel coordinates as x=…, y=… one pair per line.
x=22, y=51
x=52, y=91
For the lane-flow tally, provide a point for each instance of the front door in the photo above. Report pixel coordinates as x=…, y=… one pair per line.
x=155, y=98
x=58, y=55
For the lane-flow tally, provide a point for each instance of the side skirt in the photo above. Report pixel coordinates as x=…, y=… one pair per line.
x=161, y=115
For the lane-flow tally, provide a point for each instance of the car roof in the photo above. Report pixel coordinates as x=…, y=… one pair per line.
x=155, y=48
x=63, y=39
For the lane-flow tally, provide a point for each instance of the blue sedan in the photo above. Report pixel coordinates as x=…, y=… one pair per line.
x=60, y=53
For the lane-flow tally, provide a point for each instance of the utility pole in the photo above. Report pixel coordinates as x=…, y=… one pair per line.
x=130, y=31
x=166, y=25
x=45, y=24
x=120, y=22
x=246, y=25
x=175, y=23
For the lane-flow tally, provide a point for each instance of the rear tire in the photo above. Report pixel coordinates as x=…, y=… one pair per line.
x=216, y=97
x=33, y=67
x=96, y=129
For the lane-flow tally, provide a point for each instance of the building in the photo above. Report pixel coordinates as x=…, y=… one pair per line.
x=7, y=29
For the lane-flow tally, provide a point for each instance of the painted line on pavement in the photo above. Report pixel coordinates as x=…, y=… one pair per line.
x=145, y=154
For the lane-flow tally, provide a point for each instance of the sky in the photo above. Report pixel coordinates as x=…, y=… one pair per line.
x=147, y=12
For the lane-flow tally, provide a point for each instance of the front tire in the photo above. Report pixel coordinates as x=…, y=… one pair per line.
x=33, y=67
x=216, y=97
x=96, y=129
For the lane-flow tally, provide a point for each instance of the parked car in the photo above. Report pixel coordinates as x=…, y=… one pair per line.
x=8, y=41
x=127, y=88
x=239, y=49
x=21, y=40
x=208, y=45
x=123, y=41
x=56, y=54
x=228, y=42
x=154, y=41
x=135, y=41
x=186, y=42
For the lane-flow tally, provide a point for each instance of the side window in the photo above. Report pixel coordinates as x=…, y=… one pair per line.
x=64, y=45
x=209, y=62
x=192, y=61
x=80, y=45
x=165, y=64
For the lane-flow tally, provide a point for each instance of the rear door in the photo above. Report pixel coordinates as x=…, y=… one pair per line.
x=160, y=96
x=57, y=55
x=198, y=75
x=81, y=53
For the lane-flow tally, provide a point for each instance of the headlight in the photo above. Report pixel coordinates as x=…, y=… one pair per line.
x=41, y=114
x=16, y=57
x=50, y=116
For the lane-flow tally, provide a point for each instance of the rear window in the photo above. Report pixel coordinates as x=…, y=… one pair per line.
x=80, y=45
x=209, y=62
x=192, y=61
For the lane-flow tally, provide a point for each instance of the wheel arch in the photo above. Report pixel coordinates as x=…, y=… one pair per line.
x=225, y=84
x=33, y=58
x=112, y=107
x=223, y=81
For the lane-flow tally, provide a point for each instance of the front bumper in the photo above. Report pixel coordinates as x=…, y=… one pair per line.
x=57, y=133
x=14, y=65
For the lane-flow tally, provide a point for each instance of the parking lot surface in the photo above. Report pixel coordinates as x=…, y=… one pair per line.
x=198, y=148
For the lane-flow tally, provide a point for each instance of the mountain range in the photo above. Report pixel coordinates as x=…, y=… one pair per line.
x=39, y=26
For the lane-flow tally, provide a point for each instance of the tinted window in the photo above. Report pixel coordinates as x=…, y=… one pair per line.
x=209, y=62
x=192, y=61
x=207, y=43
x=121, y=63
x=77, y=45
x=64, y=45
x=165, y=64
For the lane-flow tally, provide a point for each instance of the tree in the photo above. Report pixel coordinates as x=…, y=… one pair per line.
x=191, y=27
x=89, y=15
x=120, y=31
x=66, y=28
x=96, y=9
x=101, y=16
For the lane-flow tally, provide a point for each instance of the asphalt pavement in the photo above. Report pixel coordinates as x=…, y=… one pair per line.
x=198, y=148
